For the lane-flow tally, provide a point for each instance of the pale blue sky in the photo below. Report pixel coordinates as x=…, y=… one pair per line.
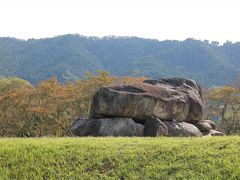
x=159, y=19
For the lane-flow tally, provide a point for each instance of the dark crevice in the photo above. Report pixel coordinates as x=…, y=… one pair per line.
x=128, y=88
x=100, y=116
x=139, y=121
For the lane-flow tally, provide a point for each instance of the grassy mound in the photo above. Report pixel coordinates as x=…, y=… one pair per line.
x=124, y=158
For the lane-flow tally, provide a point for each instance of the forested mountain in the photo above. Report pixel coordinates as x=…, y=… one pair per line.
x=69, y=57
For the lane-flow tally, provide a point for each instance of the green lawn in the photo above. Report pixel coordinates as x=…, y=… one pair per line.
x=120, y=158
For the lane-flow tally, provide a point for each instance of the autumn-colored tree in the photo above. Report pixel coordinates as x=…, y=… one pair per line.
x=12, y=83
x=224, y=102
x=49, y=108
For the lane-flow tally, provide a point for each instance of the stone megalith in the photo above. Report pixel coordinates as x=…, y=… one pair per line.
x=180, y=100
x=164, y=107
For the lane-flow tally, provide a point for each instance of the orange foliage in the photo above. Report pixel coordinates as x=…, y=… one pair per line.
x=49, y=108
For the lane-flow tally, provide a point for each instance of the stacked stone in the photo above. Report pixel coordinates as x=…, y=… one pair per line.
x=165, y=107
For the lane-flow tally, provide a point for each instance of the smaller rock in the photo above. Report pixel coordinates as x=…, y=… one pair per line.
x=119, y=127
x=155, y=127
x=182, y=129
x=211, y=123
x=106, y=127
x=216, y=133
x=84, y=127
x=204, y=127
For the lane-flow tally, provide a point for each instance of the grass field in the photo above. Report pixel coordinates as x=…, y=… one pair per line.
x=120, y=158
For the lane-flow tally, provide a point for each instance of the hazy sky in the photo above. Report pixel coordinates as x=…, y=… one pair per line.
x=160, y=19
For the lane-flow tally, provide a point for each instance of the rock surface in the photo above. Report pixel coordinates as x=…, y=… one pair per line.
x=178, y=99
x=182, y=129
x=203, y=126
x=155, y=127
x=106, y=127
x=191, y=89
x=211, y=123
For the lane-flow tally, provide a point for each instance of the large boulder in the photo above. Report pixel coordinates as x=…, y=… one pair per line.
x=106, y=127
x=182, y=129
x=178, y=99
x=155, y=127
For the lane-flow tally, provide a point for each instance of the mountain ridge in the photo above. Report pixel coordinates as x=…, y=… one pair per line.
x=69, y=57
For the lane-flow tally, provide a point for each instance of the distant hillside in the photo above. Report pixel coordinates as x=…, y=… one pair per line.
x=69, y=56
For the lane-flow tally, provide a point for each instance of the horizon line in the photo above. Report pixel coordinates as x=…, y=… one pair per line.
x=118, y=37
